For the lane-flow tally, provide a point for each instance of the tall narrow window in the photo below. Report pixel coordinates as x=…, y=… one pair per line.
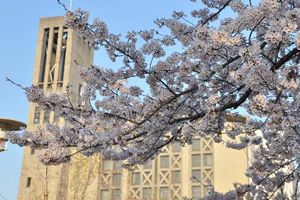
x=136, y=177
x=56, y=117
x=28, y=183
x=46, y=116
x=37, y=114
x=117, y=165
x=196, y=145
x=196, y=192
x=117, y=178
x=164, y=161
x=32, y=151
x=80, y=93
x=196, y=160
x=176, y=147
x=148, y=165
x=53, y=55
x=116, y=194
x=147, y=193
x=196, y=176
x=104, y=195
x=63, y=56
x=107, y=164
x=164, y=193
x=44, y=55
x=176, y=178
x=207, y=159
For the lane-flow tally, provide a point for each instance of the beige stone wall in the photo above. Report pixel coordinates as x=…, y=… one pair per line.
x=83, y=179
x=229, y=166
x=226, y=168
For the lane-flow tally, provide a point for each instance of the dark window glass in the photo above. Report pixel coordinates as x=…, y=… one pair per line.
x=117, y=165
x=148, y=165
x=117, y=178
x=208, y=159
x=107, y=164
x=116, y=194
x=196, y=192
x=136, y=178
x=196, y=176
x=147, y=193
x=37, y=114
x=28, y=183
x=164, y=161
x=196, y=145
x=44, y=55
x=176, y=177
x=196, y=160
x=176, y=147
x=164, y=193
x=46, y=117
x=32, y=151
x=62, y=56
x=80, y=93
x=53, y=55
x=104, y=195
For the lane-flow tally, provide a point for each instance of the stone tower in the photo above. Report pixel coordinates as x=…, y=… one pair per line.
x=57, y=49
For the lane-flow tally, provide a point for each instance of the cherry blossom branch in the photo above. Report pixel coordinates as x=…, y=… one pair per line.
x=285, y=59
x=217, y=13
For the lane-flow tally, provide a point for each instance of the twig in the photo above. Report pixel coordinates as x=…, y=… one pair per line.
x=17, y=84
x=215, y=14
x=2, y=197
x=63, y=5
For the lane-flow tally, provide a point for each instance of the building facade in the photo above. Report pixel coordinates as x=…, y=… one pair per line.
x=177, y=172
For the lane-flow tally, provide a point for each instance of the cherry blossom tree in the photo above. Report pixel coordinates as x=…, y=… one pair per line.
x=217, y=66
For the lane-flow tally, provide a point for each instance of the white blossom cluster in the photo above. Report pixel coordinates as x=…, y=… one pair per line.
x=250, y=62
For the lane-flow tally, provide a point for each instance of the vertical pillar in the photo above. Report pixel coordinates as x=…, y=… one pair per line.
x=125, y=184
x=186, y=171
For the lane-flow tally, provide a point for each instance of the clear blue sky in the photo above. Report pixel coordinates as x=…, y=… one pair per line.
x=18, y=36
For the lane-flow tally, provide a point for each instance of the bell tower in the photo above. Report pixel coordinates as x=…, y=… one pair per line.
x=57, y=49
